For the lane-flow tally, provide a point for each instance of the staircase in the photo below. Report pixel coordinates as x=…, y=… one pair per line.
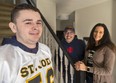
x=5, y=10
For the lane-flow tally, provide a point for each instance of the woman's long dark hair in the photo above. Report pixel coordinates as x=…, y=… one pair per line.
x=105, y=41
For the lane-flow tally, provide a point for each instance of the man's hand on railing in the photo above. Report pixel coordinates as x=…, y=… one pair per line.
x=80, y=66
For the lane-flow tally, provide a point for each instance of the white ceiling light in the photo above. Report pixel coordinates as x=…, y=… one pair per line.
x=63, y=17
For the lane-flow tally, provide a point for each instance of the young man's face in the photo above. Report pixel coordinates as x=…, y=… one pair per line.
x=28, y=27
x=69, y=35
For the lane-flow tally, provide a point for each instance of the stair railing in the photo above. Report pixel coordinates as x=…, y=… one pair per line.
x=50, y=30
x=53, y=34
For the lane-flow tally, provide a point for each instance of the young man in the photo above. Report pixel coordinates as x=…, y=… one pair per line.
x=22, y=58
x=75, y=47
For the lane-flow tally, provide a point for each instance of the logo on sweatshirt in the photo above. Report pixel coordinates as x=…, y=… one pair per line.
x=70, y=50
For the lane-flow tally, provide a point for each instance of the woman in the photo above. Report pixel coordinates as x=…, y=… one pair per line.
x=99, y=56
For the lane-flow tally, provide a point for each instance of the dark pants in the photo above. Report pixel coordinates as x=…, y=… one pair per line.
x=78, y=77
x=89, y=78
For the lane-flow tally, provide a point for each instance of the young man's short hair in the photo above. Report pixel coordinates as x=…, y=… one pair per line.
x=69, y=28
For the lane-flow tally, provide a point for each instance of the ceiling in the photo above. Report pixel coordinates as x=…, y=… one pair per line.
x=66, y=7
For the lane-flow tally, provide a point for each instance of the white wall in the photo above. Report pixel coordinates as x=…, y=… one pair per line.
x=61, y=24
x=114, y=31
x=86, y=18
x=48, y=9
x=114, y=21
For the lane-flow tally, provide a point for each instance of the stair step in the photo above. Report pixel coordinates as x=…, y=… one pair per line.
x=4, y=27
x=6, y=35
x=6, y=7
x=4, y=24
x=5, y=31
x=5, y=13
x=5, y=18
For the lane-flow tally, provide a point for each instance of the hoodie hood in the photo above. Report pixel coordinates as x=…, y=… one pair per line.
x=13, y=41
x=75, y=48
x=65, y=42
